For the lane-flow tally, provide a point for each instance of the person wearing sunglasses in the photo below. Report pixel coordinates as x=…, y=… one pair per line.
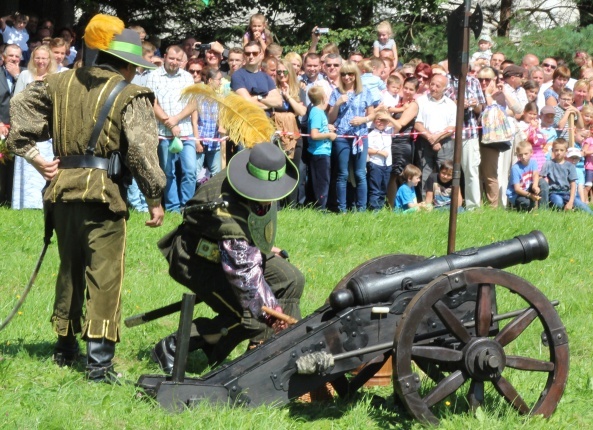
x=492, y=88
x=254, y=85
x=194, y=68
x=351, y=107
x=285, y=117
x=423, y=73
x=331, y=69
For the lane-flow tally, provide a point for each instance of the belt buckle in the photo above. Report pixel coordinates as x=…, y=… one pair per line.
x=208, y=250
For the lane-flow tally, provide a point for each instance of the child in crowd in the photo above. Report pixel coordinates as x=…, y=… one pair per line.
x=546, y=117
x=523, y=190
x=17, y=33
x=484, y=48
x=371, y=78
x=390, y=97
x=405, y=199
x=563, y=110
x=320, y=145
x=587, y=114
x=574, y=156
x=439, y=187
x=379, y=160
x=385, y=41
x=588, y=153
x=258, y=31
x=561, y=177
x=580, y=136
x=529, y=125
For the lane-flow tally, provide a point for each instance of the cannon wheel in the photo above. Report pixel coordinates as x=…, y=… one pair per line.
x=344, y=387
x=479, y=355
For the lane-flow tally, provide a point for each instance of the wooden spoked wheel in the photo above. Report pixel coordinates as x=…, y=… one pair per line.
x=524, y=361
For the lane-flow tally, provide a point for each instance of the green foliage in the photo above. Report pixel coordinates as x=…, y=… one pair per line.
x=561, y=42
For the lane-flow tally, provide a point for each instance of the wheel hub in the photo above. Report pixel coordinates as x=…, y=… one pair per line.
x=484, y=359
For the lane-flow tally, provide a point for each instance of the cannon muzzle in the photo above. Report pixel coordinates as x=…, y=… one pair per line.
x=379, y=287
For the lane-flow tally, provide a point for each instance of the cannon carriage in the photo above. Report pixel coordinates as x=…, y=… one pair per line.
x=456, y=326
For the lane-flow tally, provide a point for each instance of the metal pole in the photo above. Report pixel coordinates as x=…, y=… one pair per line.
x=183, y=333
x=459, y=130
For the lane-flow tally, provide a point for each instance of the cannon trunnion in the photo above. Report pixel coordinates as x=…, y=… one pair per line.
x=468, y=332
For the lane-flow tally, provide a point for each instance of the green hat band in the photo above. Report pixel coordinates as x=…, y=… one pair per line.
x=266, y=175
x=130, y=48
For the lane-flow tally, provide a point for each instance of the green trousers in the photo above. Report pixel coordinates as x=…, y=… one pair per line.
x=91, y=245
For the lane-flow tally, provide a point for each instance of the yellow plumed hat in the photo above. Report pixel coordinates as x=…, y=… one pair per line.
x=108, y=34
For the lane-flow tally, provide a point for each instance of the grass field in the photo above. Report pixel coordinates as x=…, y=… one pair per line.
x=36, y=394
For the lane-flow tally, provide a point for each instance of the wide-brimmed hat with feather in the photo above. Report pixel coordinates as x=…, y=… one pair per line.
x=262, y=173
x=108, y=34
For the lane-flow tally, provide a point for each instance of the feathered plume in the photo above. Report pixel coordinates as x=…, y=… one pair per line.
x=244, y=121
x=100, y=31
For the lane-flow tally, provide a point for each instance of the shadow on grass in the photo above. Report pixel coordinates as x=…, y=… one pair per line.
x=385, y=412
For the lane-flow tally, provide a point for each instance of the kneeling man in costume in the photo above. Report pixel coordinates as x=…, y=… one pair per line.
x=223, y=251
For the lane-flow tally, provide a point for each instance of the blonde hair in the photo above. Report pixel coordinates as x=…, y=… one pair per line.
x=587, y=110
x=351, y=67
x=52, y=67
x=294, y=56
x=523, y=145
x=384, y=26
x=316, y=95
x=293, y=86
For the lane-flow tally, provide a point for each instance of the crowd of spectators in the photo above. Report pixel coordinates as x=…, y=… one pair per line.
x=366, y=133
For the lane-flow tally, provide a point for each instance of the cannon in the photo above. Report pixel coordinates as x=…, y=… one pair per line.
x=459, y=329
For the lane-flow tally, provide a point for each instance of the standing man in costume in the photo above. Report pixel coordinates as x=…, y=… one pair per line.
x=84, y=202
x=223, y=251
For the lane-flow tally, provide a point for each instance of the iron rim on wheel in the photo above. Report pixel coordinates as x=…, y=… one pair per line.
x=480, y=355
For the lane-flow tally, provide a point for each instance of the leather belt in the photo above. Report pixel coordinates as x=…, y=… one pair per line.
x=83, y=161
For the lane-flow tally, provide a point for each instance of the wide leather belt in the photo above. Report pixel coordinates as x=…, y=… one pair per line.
x=83, y=161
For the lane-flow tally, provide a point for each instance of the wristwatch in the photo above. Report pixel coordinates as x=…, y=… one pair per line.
x=260, y=98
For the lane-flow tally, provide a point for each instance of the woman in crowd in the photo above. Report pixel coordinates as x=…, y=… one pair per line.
x=351, y=107
x=536, y=73
x=402, y=143
x=28, y=183
x=296, y=61
x=492, y=88
x=559, y=80
x=423, y=73
x=286, y=116
x=581, y=94
x=531, y=89
x=194, y=67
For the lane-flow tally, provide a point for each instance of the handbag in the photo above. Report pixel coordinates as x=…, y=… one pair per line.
x=496, y=127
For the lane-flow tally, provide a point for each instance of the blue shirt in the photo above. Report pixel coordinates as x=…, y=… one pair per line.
x=318, y=120
x=405, y=195
x=356, y=105
x=521, y=174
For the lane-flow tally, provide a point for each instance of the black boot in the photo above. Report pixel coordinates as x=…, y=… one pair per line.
x=66, y=350
x=99, y=367
x=163, y=352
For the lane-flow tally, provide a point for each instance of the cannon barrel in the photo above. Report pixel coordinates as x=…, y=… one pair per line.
x=379, y=287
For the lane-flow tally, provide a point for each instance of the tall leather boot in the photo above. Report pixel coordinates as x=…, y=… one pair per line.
x=66, y=350
x=99, y=367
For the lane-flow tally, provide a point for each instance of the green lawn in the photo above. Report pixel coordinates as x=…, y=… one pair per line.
x=34, y=393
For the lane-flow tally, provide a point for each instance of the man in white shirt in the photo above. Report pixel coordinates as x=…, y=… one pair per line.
x=435, y=123
x=173, y=120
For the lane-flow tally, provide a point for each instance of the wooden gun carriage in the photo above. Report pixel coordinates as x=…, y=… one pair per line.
x=440, y=320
